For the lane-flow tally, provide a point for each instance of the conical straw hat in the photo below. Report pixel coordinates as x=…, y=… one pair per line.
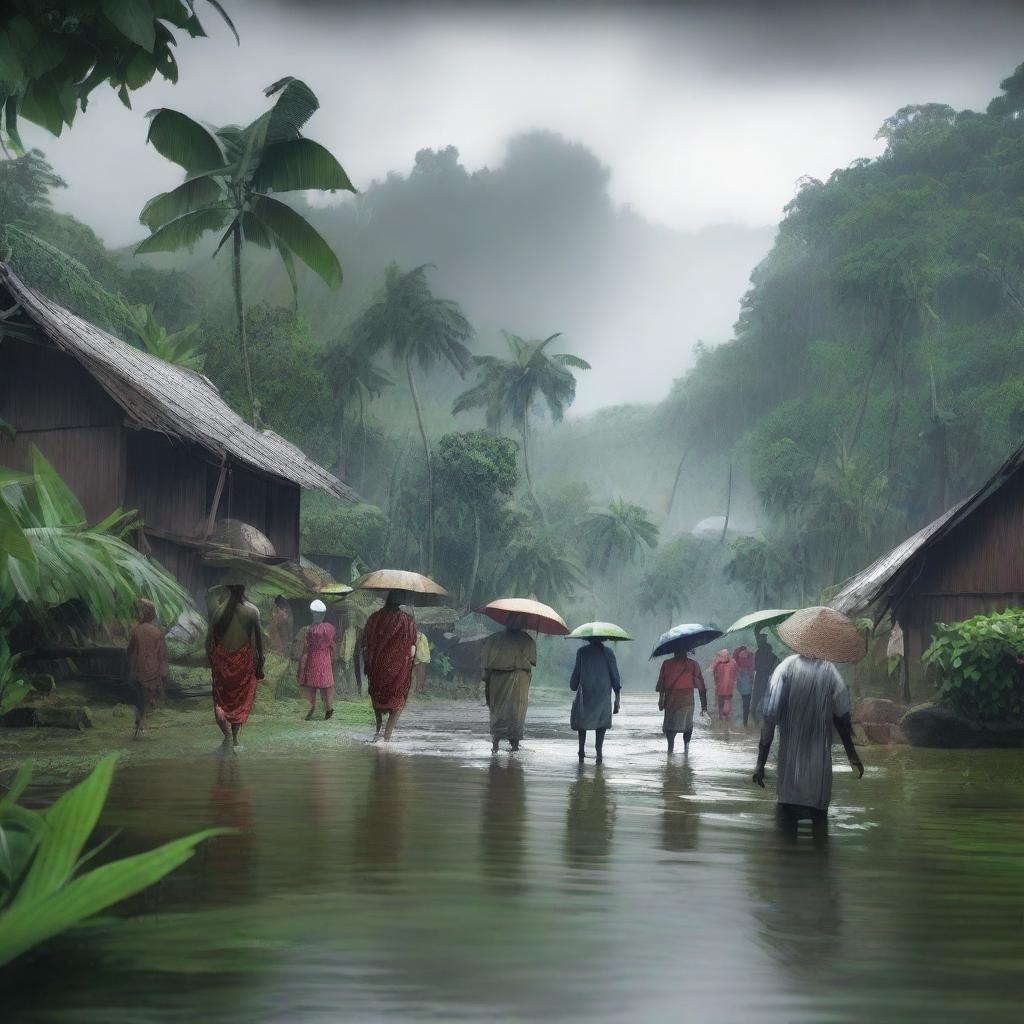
x=822, y=633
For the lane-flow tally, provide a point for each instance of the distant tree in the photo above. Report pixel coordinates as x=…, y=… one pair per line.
x=25, y=186
x=617, y=536
x=508, y=389
x=229, y=174
x=52, y=56
x=355, y=380
x=479, y=472
x=533, y=563
x=416, y=329
x=670, y=578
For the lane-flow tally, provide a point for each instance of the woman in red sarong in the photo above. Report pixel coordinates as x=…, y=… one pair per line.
x=316, y=669
x=388, y=647
x=234, y=645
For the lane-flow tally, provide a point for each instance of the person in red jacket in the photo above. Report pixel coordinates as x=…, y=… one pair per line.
x=724, y=669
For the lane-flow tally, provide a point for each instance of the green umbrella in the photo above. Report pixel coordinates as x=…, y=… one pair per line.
x=599, y=631
x=759, y=620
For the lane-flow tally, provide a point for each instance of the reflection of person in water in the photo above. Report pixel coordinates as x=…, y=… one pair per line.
x=503, y=824
x=379, y=831
x=228, y=861
x=679, y=818
x=589, y=820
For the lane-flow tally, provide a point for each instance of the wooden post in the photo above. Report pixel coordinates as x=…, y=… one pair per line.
x=215, y=504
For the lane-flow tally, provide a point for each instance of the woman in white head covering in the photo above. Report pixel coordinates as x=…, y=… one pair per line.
x=316, y=670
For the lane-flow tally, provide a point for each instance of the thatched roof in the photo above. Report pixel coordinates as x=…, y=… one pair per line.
x=166, y=398
x=887, y=579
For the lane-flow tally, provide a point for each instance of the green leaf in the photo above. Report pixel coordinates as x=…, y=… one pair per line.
x=18, y=786
x=300, y=237
x=296, y=103
x=139, y=70
x=133, y=19
x=58, y=506
x=69, y=822
x=13, y=540
x=299, y=164
x=42, y=106
x=183, y=232
x=194, y=193
x=183, y=141
x=224, y=14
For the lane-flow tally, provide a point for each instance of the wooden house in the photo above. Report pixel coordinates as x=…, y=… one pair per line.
x=124, y=428
x=968, y=562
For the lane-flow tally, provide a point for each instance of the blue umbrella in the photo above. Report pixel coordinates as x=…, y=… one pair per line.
x=685, y=638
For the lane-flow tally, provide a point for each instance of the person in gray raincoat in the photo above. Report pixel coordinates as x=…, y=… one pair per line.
x=595, y=677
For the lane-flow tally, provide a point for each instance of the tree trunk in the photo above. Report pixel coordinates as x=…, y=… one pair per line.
x=341, y=437
x=236, y=244
x=728, y=507
x=475, y=565
x=430, y=466
x=362, y=454
x=526, y=469
x=675, y=482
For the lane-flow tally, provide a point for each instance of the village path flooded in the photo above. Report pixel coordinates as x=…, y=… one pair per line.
x=429, y=881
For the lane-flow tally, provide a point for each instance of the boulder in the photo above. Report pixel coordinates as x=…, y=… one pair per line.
x=932, y=725
x=878, y=710
x=48, y=717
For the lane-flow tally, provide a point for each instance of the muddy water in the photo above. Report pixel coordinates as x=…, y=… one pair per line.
x=430, y=881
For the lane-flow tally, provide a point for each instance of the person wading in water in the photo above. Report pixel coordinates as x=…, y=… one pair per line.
x=234, y=646
x=388, y=647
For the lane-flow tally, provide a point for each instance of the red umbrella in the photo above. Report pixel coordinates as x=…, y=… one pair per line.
x=536, y=616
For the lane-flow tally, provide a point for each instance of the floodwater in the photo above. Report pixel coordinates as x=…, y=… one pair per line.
x=429, y=881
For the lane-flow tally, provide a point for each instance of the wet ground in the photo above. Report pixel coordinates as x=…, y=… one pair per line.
x=428, y=880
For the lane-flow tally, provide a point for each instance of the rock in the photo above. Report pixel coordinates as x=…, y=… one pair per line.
x=878, y=710
x=932, y=725
x=62, y=718
x=878, y=732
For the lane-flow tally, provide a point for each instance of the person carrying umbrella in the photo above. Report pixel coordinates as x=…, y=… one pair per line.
x=595, y=677
x=388, y=647
x=680, y=675
x=507, y=664
x=765, y=662
x=806, y=697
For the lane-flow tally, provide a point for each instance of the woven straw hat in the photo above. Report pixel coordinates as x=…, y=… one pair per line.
x=822, y=633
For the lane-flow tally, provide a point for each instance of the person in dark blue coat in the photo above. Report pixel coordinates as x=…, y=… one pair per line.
x=594, y=678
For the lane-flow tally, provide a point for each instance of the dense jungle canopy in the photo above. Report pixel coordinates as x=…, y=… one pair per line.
x=875, y=374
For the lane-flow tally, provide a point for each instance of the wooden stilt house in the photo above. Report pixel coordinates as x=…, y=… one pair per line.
x=124, y=428
x=968, y=562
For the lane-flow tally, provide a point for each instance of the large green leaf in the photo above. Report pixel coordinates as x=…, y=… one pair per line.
x=296, y=103
x=69, y=823
x=28, y=923
x=300, y=237
x=42, y=105
x=183, y=232
x=57, y=505
x=299, y=164
x=192, y=194
x=183, y=141
x=133, y=19
x=13, y=541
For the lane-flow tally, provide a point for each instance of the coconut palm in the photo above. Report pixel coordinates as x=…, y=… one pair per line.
x=508, y=389
x=618, y=535
x=229, y=174
x=418, y=330
x=533, y=564
x=355, y=380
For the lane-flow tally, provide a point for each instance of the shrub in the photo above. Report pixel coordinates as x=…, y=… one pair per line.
x=978, y=665
x=332, y=527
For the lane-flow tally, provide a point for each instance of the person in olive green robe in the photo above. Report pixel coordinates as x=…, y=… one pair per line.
x=507, y=668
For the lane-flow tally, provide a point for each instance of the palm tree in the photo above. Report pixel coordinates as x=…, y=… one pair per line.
x=509, y=388
x=419, y=330
x=229, y=173
x=618, y=534
x=355, y=380
x=533, y=564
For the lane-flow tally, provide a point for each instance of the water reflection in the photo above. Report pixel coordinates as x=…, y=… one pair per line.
x=379, y=829
x=680, y=818
x=229, y=862
x=503, y=825
x=589, y=820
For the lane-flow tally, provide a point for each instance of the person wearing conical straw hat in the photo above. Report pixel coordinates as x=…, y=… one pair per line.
x=806, y=697
x=316, y=667
x=234, y=646
x=388, y=648
x=507, y=662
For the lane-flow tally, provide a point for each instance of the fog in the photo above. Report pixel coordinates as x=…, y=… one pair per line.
x=638, y=156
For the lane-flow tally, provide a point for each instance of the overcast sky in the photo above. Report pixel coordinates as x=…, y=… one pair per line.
x=705, y=113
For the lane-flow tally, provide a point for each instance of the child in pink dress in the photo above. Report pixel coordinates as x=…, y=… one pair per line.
x=316, y=671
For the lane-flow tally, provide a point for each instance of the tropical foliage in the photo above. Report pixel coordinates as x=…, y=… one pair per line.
x=230, y=173
x=178, y=347
x=508, y=389
x=53, y=58
x=419, y=331
x=978, y=665
x=43, y=887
